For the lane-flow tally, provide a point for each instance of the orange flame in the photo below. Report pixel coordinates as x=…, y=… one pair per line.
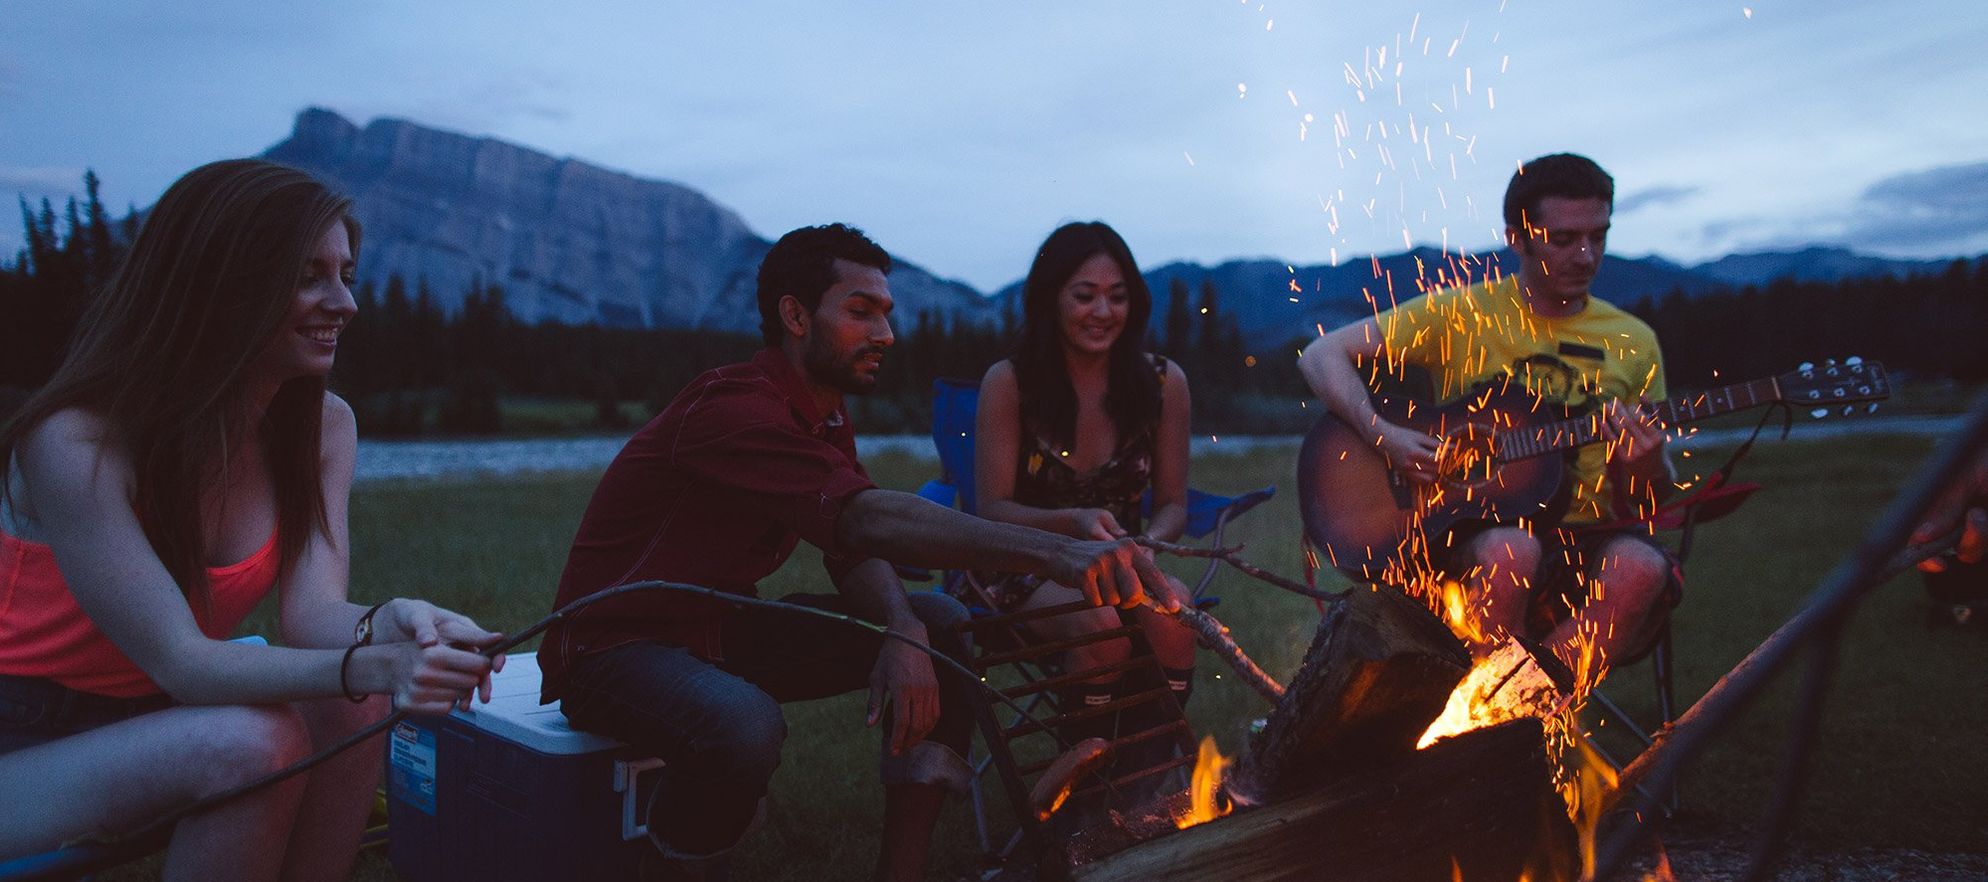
x=1663, y=872
x=1505, y=685
x=1593, y=780
x=1205, y=788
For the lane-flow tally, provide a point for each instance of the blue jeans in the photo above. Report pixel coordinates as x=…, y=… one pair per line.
x=717, y=724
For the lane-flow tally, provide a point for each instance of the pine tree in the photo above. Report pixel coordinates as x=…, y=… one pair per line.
x=1179, y=322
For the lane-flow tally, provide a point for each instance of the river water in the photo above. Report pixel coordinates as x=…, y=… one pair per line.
x=498, y=457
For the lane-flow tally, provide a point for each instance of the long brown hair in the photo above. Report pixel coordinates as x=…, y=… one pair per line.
x=163, y=355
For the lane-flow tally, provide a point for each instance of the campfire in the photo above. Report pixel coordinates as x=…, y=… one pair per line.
x=1392, y=754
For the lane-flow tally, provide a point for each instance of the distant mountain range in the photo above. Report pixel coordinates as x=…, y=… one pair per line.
x=566, y=240
x=578, y=243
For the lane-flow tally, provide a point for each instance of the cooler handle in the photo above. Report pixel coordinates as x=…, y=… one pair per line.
x=625, y=774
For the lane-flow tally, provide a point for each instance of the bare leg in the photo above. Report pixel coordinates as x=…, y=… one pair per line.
x=338, y=795
x=1506, y=561
x=910, y=812
x=1172, y=642
x=1624, y=588
x=1077, y=624
x=115, y=778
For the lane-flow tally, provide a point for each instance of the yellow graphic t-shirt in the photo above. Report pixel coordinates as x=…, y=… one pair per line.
x=1468, y=336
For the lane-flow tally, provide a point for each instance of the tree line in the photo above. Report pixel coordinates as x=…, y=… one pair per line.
x=1931, y=325
x=410, y=367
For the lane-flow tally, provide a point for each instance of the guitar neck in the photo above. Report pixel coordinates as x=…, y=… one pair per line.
x=1529, y=441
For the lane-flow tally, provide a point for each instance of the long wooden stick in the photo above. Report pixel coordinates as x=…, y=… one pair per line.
x=1853, y=577
x=1209, y=632
x=1214, y=636
x=368, y=732
x=1232, y=557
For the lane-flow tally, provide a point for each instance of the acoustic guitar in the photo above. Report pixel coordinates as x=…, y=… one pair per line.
x=1503, y=458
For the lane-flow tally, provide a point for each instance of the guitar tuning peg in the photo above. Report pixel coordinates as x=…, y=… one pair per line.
x=1848, y=408
x=1829, y=362
x=1819, y=412
x=1805, y=366
x=1854, y=360
x=1871, y=408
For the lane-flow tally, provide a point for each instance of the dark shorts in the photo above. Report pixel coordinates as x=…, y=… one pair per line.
x=36, y=711
x=1567, y=558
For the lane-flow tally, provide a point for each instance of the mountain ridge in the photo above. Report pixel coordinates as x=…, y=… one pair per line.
x=575, y=242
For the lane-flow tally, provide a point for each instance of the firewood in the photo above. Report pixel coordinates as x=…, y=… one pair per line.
x=1378, y=672
x=1481, y=805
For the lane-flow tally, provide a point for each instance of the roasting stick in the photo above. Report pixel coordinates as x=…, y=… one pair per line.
x=1858, y=573
x=1208, y=631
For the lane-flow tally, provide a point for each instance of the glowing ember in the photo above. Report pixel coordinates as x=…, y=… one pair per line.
x=1205, y=789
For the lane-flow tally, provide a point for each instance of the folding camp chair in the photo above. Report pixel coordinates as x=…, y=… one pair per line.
x=1716, y=499
x=1003, y=642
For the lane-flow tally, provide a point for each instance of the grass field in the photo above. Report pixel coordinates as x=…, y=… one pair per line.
x=1902, y=760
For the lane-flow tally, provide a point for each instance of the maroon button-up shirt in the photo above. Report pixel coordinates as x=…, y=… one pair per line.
x=715, y=491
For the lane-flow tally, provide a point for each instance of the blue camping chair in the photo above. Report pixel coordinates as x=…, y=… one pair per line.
x=954, y=407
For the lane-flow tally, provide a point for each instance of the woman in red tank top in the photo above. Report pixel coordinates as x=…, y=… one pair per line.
x=185, y=459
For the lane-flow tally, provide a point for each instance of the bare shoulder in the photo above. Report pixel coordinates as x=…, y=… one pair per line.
x=1174, y=376
x=338, y=418
x=338, y=429
x=71, y=455
x=70, y=434
x=1000, y=376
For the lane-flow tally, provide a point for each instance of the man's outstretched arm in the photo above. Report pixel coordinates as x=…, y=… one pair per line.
x=909, y=530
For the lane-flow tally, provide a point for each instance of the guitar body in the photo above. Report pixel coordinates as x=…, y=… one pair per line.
x=1503, y=458
x=1360, y=515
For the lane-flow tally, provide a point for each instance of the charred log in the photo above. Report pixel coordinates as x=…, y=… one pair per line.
x=1481, y=804
x=1379, y=670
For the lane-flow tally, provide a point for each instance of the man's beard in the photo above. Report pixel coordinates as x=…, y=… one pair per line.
x=838, y=373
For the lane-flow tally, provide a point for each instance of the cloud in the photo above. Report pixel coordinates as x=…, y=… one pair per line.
x=1948, y=204
x=1653, y=196
x=34, y=182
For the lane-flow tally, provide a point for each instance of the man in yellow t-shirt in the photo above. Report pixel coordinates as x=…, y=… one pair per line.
x=1542, y=328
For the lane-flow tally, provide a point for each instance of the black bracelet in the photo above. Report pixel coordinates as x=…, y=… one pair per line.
x=362, y=633
x=345, y=664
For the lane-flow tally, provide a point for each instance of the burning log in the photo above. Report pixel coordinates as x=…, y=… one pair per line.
x=1480, y=805
x=1380, y=669
x=1518, y=679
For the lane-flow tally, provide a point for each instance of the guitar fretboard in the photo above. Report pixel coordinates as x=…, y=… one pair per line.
x=1531, y=441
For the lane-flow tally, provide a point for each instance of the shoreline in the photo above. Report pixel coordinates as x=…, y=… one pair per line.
x=441, y=459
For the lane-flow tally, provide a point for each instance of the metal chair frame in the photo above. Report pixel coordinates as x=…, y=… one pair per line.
x=1035, y=664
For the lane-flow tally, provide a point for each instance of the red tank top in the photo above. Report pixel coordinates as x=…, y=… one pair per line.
x=43, y=633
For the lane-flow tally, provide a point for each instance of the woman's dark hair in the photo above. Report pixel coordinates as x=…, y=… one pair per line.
x=164, y=354
x=1042, y=378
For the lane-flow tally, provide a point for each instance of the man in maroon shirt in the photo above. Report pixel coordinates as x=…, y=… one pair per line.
x=716, y=491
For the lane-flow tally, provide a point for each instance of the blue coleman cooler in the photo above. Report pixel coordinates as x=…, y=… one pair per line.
x=507, y=791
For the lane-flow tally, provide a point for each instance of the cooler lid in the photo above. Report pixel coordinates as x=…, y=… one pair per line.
x=514, y=713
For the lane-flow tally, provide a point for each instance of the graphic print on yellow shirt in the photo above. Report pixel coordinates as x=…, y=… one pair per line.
x=1469, y=336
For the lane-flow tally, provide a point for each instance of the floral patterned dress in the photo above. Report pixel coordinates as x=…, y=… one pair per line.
x=1044, y=479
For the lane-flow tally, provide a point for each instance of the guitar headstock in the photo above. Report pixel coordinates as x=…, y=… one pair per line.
x=1834, y=386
